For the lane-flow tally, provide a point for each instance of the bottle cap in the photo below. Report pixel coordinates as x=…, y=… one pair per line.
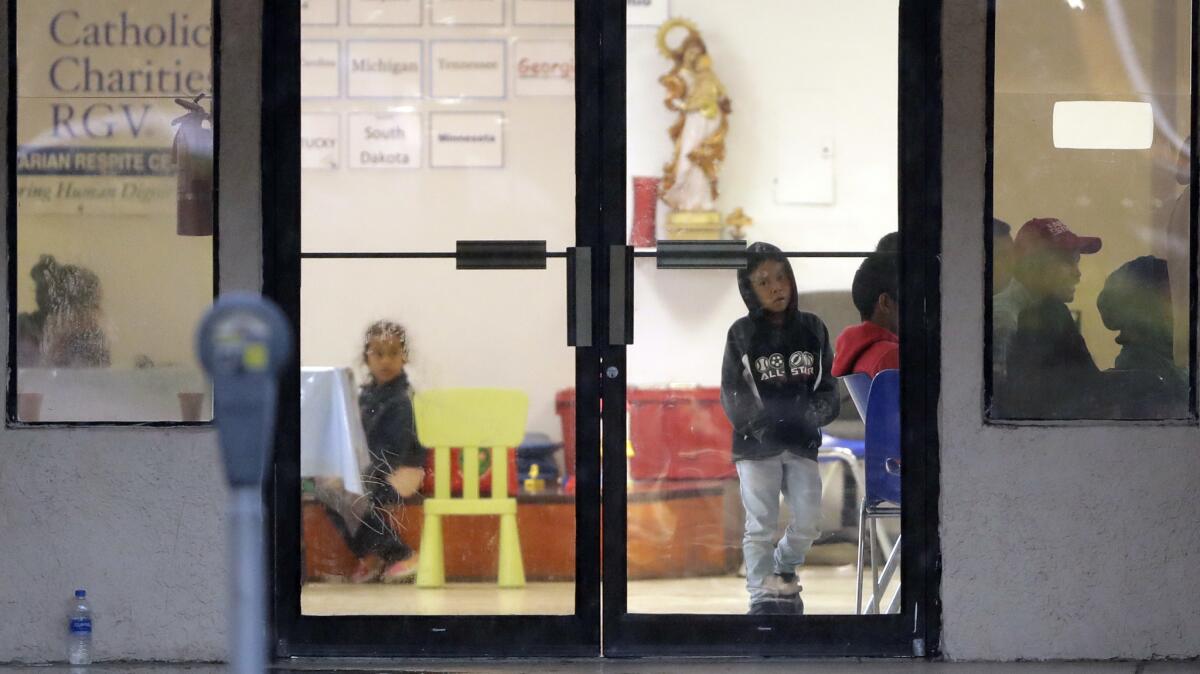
x=80, y=594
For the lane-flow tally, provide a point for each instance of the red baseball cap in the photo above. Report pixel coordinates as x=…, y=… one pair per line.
x=1052, y=234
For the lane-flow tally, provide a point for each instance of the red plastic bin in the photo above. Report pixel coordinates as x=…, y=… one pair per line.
x=564, y=406
x=679, y=434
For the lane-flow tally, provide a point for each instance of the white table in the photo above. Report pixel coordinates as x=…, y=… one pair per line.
x=332, y=441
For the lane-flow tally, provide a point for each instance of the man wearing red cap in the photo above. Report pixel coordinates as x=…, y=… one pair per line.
x=1045, y=273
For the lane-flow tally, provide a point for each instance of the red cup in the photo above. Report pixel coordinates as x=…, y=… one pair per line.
x=645, y=211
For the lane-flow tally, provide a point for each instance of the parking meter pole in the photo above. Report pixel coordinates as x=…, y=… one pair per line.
x=248, y=620
x=244, y=342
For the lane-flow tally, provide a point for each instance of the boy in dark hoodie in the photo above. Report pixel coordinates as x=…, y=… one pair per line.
x=872, y=346
x=777, y=391
x=1136, y=302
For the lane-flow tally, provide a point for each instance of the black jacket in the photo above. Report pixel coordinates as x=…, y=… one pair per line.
x=1051, y=373
x=387, y=418
x=776, y=385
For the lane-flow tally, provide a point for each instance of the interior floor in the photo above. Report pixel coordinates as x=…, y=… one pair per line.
x=827, y=590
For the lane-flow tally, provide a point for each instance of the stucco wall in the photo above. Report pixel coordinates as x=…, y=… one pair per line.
x=1056, y=542
x=133, y=515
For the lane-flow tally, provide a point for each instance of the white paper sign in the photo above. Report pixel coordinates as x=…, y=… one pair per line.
x=320, y=67
x=384, y=140
x=318, y=12
x=646, y=12
x=383, y=69
x=320, y=141
x=466, y=140
x=468, y=68
x=468, y=12
x=385, y=12
x=544, y=68
x=544, y=12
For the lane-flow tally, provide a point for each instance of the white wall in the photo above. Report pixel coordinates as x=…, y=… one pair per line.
x=1056, y=542
x=498, y=328
x=782, y=61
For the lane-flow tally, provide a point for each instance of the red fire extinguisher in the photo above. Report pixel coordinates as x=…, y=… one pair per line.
x=193, y=152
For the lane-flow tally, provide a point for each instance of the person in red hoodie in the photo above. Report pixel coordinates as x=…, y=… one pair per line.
x=873, y=345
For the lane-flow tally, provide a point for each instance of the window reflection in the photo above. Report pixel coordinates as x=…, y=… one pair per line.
x=114, y=217
x=1091, y=307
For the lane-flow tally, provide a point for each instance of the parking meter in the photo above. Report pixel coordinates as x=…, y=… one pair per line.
x=243, y=343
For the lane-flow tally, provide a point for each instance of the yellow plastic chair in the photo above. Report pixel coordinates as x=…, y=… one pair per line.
x=470, y=418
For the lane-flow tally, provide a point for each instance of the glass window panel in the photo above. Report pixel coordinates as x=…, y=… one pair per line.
x=687, y=514
x=1092, y=239
x=115, y=207
x=746, y=454
x=354, y=450
x=424, y=124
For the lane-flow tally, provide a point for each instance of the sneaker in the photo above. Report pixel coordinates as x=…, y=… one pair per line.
x=774, y=606
x=783, y=584
x=402, y=571
x=368, y=570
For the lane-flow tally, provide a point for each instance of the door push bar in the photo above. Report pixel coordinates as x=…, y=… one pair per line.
x=500, y=255
x=701, y=254
x=532, y=255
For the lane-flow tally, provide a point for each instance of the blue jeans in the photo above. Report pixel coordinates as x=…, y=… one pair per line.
x=761, y=481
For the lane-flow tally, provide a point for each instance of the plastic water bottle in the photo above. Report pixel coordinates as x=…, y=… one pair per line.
x=79, y=628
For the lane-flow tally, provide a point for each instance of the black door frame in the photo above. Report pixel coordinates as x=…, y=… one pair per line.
x=408, y=636
x=600, y=161
x=916, y=630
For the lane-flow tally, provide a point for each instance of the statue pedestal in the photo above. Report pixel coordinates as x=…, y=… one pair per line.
x=695, y=225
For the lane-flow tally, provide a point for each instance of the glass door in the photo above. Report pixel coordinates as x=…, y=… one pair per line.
x=441, y=496
x=499, y=220
x=764, y=446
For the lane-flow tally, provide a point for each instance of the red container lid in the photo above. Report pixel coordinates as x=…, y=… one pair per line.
x=680, y=394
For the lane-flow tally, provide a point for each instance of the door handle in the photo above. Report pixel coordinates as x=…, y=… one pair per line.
x=579, y=296
x=620, y=297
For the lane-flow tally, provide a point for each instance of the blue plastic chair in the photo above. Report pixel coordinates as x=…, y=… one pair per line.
x=859, y=386
x=882, y=497
x=848, y=451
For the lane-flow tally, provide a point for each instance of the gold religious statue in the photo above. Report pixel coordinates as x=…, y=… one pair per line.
x=689, y=184
x=696, y=93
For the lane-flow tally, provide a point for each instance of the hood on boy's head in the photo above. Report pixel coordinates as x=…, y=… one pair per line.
x=756, y=254
x=1137, y=300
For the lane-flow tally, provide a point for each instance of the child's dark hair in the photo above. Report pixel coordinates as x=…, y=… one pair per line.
x=878, y=275
x=385, y=329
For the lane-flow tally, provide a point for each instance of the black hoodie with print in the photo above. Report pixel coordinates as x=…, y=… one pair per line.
x=776, y=385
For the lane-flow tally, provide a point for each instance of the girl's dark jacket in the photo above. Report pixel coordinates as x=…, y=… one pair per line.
x=387, y=418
